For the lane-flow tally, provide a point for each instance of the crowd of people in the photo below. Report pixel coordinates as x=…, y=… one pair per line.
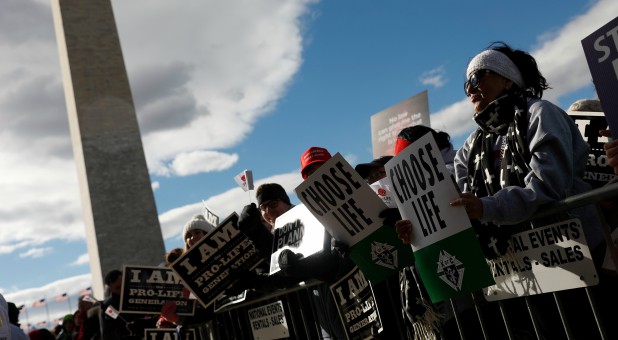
x=525, y=153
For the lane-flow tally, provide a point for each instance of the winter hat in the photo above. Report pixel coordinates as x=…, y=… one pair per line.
x=197, y=222
x=364, y=168
x=497, y=62
x=314, y=154
x=271, y=191
x=410, y=135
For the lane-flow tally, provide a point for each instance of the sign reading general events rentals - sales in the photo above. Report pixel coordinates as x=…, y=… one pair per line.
x=268, y=321
x=145, y=289
x=216, y=261
x=547, y=259
x=447, y=252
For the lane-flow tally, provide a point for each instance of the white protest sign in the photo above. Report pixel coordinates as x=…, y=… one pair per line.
x=342, y=201
x=268, y=321
x=423, y=189
x=299, y=231
x=548, y=259
x=384, y=189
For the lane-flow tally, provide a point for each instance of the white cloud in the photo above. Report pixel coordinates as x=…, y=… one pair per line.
x=194, y=162
x=81, y=260
x=155, y=185
x=434, y=77
x=36, y=252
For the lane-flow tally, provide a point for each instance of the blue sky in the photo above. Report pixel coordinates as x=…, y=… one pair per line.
x=223, y=86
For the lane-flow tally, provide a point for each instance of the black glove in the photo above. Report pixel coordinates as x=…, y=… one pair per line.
x=246, y=281
x=340, y=248
x=390, y=216
x=249, y=219
x=288, y=259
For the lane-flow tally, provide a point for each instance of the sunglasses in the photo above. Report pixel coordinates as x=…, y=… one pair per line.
x=475, y=80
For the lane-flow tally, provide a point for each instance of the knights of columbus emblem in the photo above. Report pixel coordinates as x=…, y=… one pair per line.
x=384, y=254
x=451, y=270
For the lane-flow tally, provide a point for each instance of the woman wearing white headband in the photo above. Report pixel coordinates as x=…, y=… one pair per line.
x=525, y=153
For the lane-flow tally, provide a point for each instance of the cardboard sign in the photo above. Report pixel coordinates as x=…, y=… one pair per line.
x=215, y=262
x=357, y=306
x=342, y=201
x=598, y=172
x=386, y=124
x=298, y=230
x=548, y=259
x=268, y=321
x=384, y=189
x=349, y=209
x=601, y=49
x=145, y=289
x=448, y=255
x=168, y=334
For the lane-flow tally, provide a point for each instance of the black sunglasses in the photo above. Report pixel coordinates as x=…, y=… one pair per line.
x=475, y=80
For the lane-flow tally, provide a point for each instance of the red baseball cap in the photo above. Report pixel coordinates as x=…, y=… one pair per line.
x=314, y=154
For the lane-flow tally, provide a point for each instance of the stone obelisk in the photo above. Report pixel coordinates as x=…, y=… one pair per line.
x=120, y=216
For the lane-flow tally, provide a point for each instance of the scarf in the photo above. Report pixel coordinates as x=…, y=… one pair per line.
x=505, y=117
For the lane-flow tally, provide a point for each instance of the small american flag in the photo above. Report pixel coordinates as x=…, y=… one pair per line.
x=62, y=297
x=39, y=303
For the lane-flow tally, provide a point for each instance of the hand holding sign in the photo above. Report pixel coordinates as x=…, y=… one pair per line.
x=611, y=150
x=473, y=205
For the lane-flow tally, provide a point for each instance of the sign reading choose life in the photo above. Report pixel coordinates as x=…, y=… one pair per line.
x=448, y=255
x=349, y=209
x=213, y=264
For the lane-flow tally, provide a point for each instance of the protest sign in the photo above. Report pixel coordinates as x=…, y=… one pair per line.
x=448, y=255
x=601, y=49
x=386, y=124
x=268, y=321
x=216, y=261
x=299, y=231
x=145, y=289
x=357, y=307
x=598, y=172
x=349, y=209
x=168, y=334
x=383, y=188
x=547, y=259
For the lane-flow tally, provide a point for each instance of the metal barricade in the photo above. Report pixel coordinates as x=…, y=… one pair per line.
x=472, y=312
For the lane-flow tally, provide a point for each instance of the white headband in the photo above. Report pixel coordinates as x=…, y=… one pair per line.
x=497, y=62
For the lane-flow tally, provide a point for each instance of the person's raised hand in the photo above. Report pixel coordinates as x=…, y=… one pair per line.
x=404, y=230
x=473, y=205
x=611, y=150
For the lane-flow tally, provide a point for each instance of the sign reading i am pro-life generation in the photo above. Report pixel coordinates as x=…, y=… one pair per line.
x=169, y=334
x=357, y=306
x=547, y=259
x=448, y=255
x=145, y=289
x=216, y=261
x=349, y=209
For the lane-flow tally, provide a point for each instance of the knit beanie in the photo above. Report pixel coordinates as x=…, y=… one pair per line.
x=271, y=191
x=197, y=222
x=497, y=62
